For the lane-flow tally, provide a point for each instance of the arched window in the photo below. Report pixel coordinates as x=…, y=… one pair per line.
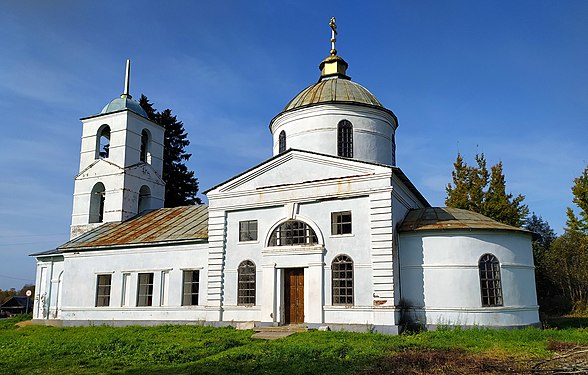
x=103, y=142
x=246, y=283
x=282, y=142
x=293, y=233
x=97, y=203
x=145, y=143
x=342, y=280
x=345, y=139
x=490, y=285
x=144, y=199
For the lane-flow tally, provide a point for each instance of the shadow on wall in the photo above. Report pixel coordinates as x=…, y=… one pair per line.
x=412, y=302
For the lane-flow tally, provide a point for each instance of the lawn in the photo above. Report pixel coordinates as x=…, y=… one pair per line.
x=185, y=349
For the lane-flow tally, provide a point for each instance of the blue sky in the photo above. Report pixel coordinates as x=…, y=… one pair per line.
x=507, y=78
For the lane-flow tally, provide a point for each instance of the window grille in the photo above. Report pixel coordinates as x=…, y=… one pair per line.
x=282, y=142
x=293, y=233
x=342, y=280
x=246, y=283
x=490, y=284
x=345, y=139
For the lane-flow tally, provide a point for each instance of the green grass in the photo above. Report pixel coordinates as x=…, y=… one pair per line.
x=174, y=349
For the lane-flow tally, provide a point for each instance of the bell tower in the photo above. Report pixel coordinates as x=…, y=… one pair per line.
x=121, y=164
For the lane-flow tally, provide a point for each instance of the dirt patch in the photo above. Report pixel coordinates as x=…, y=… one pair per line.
x=455, y=361
x=24, y=323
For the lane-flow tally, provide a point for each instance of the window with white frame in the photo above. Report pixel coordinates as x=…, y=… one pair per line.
x=248, y=230
x=103, y=285
x=145, y=289
x=191, y=287
x=341, y=222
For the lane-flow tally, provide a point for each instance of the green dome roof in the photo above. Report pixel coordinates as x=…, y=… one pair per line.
x=124, y=102
x=333, y=90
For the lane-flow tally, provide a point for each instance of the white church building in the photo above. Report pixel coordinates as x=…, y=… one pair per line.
x=329, y=231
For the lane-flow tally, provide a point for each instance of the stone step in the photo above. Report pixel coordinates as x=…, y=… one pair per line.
x=292, y=328
x=272, y=335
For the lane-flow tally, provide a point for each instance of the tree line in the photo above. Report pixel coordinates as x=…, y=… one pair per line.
x=561, y=262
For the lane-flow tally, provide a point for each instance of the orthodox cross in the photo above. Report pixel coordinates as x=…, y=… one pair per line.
x=333, y=35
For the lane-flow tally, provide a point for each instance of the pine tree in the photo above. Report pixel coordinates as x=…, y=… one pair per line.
x=501, y=206
x=580, y=191
x=181, y=186
x=458, y=194
x=476, y=189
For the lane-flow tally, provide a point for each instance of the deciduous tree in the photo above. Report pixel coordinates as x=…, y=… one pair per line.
x=566, y=263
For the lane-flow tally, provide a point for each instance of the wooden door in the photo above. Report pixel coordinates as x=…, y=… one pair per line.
x=294, y=295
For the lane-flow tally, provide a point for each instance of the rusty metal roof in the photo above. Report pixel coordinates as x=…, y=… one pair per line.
x=445, y=218
x=166, y=225
x=334, y=90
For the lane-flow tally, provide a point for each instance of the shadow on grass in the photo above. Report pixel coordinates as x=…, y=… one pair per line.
x=565, y=322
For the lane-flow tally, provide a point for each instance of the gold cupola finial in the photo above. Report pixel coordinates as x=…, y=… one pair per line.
x=333, y=66
x=125, y=93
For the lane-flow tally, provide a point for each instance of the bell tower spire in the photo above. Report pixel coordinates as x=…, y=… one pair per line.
x=126, y=93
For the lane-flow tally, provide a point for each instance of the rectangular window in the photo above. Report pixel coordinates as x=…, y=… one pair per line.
x=341, y=222
x=145, y=289
x=248, y=230
x=103, y=290
x=191, y=286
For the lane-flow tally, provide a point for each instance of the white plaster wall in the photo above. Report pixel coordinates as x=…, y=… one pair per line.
x=79, y=290
x=316, y=261
x=315, y=129
x=125, y=139
x=440, y=278
x=122, y=173
x=309, y=187
x=48, y=287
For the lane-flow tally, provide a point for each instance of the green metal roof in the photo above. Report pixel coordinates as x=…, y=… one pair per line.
x=124, y=102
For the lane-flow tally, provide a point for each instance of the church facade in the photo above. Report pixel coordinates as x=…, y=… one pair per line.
x=329, y=231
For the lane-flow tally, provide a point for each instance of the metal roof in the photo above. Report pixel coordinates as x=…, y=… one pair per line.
x=124, y=102
x=446, y=218
x=179, y=224
x=334, y=90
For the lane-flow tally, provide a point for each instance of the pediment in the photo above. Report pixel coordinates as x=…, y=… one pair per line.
x=144, y=171
x=297, y=167
x=100, y=167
